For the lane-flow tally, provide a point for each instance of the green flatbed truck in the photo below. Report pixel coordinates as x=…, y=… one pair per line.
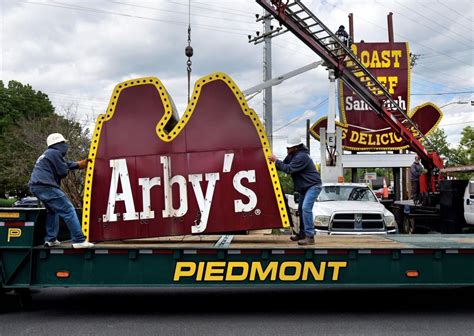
x=229, y=260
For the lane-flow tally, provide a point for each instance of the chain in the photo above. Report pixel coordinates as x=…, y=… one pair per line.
x=189, y=53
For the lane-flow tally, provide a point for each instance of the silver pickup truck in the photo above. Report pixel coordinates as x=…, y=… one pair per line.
x=347, y=208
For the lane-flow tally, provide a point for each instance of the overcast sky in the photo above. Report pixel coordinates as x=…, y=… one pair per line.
x=77, y=51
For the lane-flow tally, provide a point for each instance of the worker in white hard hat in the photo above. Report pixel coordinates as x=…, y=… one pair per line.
x=307, y=183
x=45, y=182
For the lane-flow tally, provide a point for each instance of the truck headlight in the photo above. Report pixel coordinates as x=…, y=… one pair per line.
x=389, y=220
x=322, y=220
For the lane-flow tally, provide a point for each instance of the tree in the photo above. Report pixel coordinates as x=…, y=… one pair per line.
x=465, y=152
x=21, y=101
x=461, y=156
x=440, y=144
x=286, y=183
x=466, y=146
x=25, y=141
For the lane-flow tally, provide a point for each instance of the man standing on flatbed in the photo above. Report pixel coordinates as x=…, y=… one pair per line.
x=415, y=172
x=307, y=183
x=45, y=181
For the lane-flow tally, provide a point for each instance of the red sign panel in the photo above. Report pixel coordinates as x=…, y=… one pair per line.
x=154, y=174
x=362, y=128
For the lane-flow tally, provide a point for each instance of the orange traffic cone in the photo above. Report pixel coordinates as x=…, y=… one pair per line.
x=385, y=189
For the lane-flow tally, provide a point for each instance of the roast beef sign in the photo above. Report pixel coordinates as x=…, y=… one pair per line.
x=362, y=129
x=155, y=174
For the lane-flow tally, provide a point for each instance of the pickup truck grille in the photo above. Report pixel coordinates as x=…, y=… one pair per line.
x=350, y=221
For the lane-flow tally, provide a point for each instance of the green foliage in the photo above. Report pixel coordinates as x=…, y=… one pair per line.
x=27, y=117
x=21, y=101
x=6, y=203
x=461, y=156
x=286, y=183
x=440, y=144
x=466, y=146
x=26, y=141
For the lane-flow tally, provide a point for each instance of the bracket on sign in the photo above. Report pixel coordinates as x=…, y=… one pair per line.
x=224, y=241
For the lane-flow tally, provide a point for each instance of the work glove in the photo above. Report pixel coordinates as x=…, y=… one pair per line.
x=83, y=163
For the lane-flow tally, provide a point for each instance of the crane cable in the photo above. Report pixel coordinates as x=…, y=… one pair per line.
x=189, y=52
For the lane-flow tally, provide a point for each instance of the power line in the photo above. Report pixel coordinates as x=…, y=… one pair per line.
x=100, y=11
x=451, y=9
x=177, y=12
x=459, y=123
x=301, y=115
x=427, y=18
x=444, y=16
x=441, y=93
x=385, y=29
x=426, y=79
x=452, y=51
x=213, y=8
x=446, y=74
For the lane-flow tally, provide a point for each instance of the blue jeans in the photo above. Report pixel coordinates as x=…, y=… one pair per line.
x=305, y=208
x=58, y=205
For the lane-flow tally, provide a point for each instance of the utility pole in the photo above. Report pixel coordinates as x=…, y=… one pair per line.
x=267, y=75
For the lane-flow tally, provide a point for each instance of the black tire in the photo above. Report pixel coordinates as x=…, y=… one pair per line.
x=409, y=225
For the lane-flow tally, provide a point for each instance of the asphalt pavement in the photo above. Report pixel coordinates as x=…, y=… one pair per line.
x=195, y=311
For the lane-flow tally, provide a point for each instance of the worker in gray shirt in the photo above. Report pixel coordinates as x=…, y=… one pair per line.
x=416, y=170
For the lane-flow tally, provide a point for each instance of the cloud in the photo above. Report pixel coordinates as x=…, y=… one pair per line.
x=78, y=51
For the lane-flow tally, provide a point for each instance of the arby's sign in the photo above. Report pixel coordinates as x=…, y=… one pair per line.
x=155, y=174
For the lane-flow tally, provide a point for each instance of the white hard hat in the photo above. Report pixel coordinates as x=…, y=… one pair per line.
x=293, y=141
x=55, y=138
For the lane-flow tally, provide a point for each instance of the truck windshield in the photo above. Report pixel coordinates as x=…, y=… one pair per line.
x=346, y=193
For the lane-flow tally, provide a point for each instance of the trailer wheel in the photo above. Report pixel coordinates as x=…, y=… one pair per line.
x=408, y=225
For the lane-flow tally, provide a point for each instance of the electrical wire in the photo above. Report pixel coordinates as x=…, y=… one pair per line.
x=400, y=35
x=301, y=115
x=177, y=12
x=441, y=93
x=436, y=23
x=93, y=10
x=451, y=9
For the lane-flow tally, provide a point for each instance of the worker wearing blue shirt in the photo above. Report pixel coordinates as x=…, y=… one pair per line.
x=45, y=181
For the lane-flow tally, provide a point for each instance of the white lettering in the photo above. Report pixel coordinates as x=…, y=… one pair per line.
x=203, y=197
x=147, y=184
x=203, y=203
x=120, y=173
x=169, y=210
x=349, y=103
x=240, y=206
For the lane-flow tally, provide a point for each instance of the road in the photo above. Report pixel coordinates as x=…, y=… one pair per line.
x=84, y=311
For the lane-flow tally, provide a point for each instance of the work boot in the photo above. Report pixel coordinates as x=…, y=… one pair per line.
x=297, y=237
x=306, y=241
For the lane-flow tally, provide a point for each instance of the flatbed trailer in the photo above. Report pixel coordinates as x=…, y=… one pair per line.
x=230, y=260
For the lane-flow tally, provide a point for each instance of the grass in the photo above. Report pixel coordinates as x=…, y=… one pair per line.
x=6, y=202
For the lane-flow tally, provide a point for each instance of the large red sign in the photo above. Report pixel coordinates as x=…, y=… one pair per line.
x=154, y=174
x=362, y=128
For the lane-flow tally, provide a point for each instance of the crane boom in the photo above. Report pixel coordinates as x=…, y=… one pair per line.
x=298, y=19
x=278, y=80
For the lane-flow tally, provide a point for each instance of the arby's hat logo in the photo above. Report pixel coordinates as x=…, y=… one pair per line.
x=155, y=174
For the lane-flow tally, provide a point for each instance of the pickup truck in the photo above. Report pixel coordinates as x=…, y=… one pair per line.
x=346, y=208
x=469, y=202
